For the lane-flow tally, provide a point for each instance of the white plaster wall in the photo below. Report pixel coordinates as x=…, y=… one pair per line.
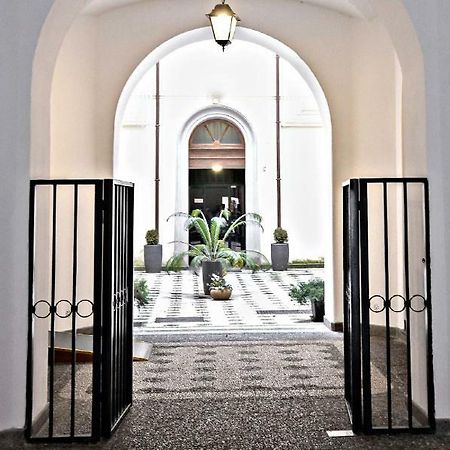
x=20, y=23
x=241, y=79
x=74, y=126
x=431, y=21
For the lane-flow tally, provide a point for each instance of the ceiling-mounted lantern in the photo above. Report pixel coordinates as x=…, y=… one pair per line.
x=223, y=23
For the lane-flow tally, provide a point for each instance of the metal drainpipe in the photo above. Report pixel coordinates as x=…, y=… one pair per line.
x=278, y=124
x=157, y=97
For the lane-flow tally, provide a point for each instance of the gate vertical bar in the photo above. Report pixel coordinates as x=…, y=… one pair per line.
x=430, y=393
x=346, y=296
x=365, y=314
x=29, y=386
x=98, y=358
x=386, y=304
x=74, y=303
x=130, y=292
x=407, y=297
x=52, y=314
x=355, y=305
x=352, y=317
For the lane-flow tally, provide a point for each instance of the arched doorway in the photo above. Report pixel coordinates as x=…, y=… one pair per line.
x=217, y=173
x=336, y=172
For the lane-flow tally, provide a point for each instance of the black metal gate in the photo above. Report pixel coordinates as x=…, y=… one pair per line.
x=118, y=304
x=79, y=367
x=387, y=305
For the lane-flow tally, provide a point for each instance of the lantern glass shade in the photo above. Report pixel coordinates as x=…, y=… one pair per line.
x=223, y=23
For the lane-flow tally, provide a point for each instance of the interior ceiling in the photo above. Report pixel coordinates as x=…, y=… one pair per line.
x=351, y=8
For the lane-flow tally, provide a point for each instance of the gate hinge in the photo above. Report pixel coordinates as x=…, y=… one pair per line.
x=103, y=208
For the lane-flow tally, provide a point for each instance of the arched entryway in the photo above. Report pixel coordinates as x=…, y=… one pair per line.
x=357, y=152
x=217, y=174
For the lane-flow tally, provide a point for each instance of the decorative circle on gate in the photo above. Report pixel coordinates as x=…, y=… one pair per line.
x=42, y=309
x=84, y=316
x=59, y=309
x=417, y=303
x=397, y=303
x=377, y=303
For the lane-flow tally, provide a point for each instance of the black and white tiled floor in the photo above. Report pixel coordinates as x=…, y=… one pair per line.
x=259, y=301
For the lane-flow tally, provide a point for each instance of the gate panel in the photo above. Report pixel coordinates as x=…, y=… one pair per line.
x=65, y=247
x=352, y=332
x=79, y=367
x=395, y=305
x=118, y=306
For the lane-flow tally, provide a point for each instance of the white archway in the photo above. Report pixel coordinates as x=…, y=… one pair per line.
x=255, y=37
x=351, y=37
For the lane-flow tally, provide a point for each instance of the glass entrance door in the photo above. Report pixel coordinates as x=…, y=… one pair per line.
x=212, y=192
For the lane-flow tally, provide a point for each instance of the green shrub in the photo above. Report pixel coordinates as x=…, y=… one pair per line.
x=308, y=261
x=141, y=292
x=308, y=291
x=280, y=235
x=152, y=237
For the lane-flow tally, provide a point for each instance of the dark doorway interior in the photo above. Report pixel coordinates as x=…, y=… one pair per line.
x=212, y=191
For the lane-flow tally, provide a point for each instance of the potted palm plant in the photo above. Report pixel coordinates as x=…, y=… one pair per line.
x=312, y=291
x=152, y=252
x=280, y=250
x=213, y=255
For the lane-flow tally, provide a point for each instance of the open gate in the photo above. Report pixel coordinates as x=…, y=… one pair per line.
x=387, y=305
x=79, y=366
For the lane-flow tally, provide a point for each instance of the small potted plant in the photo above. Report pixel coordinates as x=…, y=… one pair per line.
x=312, y=291
x=219, y=289
x=141, y=293
x=280, y=250
x=152, y=252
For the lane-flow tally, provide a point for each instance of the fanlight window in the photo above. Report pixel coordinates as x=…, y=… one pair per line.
x=216, y=132
x=216, y=143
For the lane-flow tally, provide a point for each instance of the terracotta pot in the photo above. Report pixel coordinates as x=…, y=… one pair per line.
x=220, y=294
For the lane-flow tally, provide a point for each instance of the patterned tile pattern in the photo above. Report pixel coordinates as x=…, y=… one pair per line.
x=179, y=296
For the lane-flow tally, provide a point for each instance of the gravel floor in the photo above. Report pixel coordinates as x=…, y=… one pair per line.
x=241, y=395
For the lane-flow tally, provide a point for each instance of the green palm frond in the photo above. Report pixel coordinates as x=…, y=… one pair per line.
x=178, y=214
x=197, y=262
x=243, y=220
x=214, y=248
x=217, y=223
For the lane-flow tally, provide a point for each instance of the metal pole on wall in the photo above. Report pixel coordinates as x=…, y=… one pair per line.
x=278, y=124
x=157, y=97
